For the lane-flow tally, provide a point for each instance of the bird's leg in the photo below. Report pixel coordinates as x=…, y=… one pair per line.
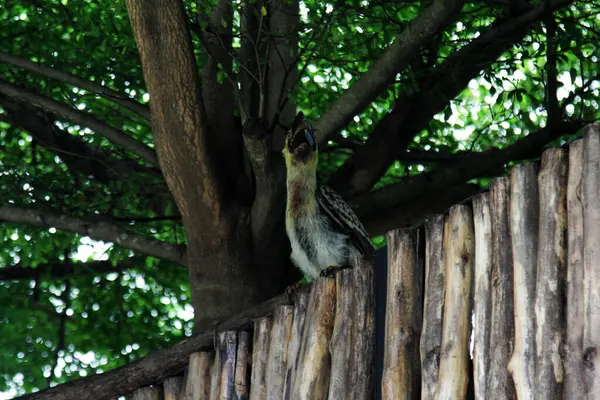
x=332, y=270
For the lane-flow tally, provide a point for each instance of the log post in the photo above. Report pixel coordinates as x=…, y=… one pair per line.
x=403, y=316
x=352, y=343
x=362, y=360
x=242, y=366
x=260, y=353
x=300, y=306
x=573, y=352
x=312, y=380
x=524, y=218
x=198, y=382
x=228, y=349
x=215, y=373
x=431, y=337
x=340, y=337
x=482, y=297
x=173, y=388
x=148, y=393
x=591, y=260
x=551, y=274
x=276, y=362
x=454, y=362
x=499, y=382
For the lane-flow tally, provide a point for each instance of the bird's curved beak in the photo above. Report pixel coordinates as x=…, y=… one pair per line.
x=301, y=136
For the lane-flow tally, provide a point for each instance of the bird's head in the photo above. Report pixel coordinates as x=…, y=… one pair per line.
x=300, y=143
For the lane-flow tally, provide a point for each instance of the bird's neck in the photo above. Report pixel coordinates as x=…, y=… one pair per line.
x=301, y=187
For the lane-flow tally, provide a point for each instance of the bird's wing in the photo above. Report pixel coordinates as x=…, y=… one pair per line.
x=342, y=215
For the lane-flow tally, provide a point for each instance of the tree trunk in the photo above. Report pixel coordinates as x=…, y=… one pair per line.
x=223, y=278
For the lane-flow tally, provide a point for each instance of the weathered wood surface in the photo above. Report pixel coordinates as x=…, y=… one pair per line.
x=591, y=261
x=228, y=348
x=482, y=296
x=155, y=367
x=293, y=351
x=524, y=217
x=431, y=336
x=341, y=335
x=573, y=353
x=173, y=388
x=260, y=353
x=148, y=393
x=312, y=379
x=276, y=361
x=454, y=362
x=215, y=372
x=499, y=382
x=242, y=367
x=551, y=274
x=403, y=316
x=352, y=342
x=362, y=360
x=198, y=382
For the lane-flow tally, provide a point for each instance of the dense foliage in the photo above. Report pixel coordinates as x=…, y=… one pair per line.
x=64, y=315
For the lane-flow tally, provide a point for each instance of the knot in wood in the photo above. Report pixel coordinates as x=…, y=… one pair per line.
x=588, y=357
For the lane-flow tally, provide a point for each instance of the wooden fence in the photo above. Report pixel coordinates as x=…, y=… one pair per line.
x=497, y=299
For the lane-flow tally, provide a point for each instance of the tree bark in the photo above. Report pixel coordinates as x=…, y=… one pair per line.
x=218, y=230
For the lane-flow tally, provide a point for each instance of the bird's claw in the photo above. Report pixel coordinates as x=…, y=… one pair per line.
x=330, y=271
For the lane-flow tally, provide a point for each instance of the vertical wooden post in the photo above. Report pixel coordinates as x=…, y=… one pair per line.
x=215, y=373
x=276, y=362
x=573, y=354
x=352, y=344
x=173, y=388
x=242, y=366
x=260, y=353
x=591, y=260
x=499, y=382
x=524, y=218
x=454, y=363
x=482, y=297
x=551, y=274
x=403, y=316
x=198, y=381
x=228, y=349
x=300, y=306
x=340, y=351
x=431, y=337
x=312, y=380
x=362, y=360
x=148, y=393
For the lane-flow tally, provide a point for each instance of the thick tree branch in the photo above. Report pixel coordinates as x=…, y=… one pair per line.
x=112, y=95
x=61, y=269
x=278, y=74
x=115, y=136
x=384, y=70
x=224, y=136
x=412, y=113
x=97, y=230
x=155, y=367
x=178, y=114
x=473, y=166
x=415, y=211
x=77, y=154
